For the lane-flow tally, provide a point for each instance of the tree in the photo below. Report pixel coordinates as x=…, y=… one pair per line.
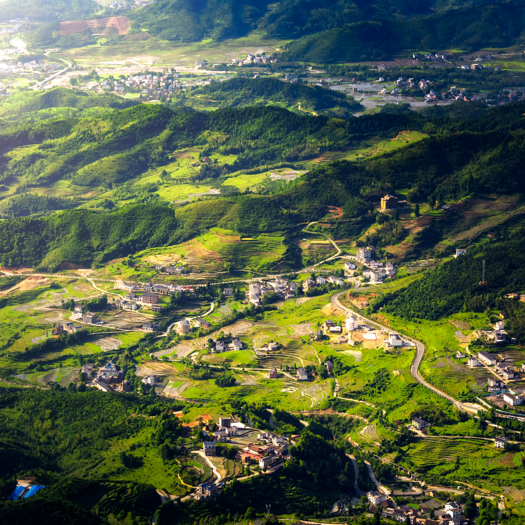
x=250, y=514
x=416, y=211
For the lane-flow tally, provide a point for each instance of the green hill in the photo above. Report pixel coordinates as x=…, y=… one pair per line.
x=483, y=26
x=245, y=92
x=189, y=21
x=19, y=105
x=296, y=18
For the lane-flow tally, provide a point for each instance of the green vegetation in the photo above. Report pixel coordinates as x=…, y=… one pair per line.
x=239, y=92
x=473, y=28
x=34, y=103
x=186, y=21
x=456, y=286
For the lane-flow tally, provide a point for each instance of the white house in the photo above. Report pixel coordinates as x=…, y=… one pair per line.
x=350, y=266
x=236, y=344
x=512, y=400
x=395, y=340
x=351, y=323
x=460, y=252
x=219, y=347
x=321, y=280
x=500, y=441
x=473, y=362
x=486, y=358
x=376, y=498
x=453, y=509
x=302, y=374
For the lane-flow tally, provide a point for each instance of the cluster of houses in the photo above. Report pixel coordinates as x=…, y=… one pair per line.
x=154, y=86
x=171, y=270
x=431, y=57
x=184, y=326
x=257, y=58
x=35, y=69
x=69, y=328
x=516, y=297
x=271, y=448
x=375, y=271
x=221, y=346
x=107, y=378
x=309, y=284
x=451, y=515
x=282, y=287
x=86, y=318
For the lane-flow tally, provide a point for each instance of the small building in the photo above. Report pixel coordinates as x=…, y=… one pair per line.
x=228, y=292
x=183, y=327
x=486, y=358
x=236, y=344
x=58, y=330
x=419, y=423
x=350, y=266
x=336, y=330
x=272, y=374
x=453, y=509
x=156, y=308
x=512, y=400
x=302, y=374
x=500, y=441
x=150, y=298
x=90, y=318
x=150, y=380
x=351, y=323
x=207, y=491
x=364, y=255
x=225, y=422
x=329, y=366
x=209, y=448
x=395, y=340
x=375, y=497
x=388, y=202
x=266, y=461
x=460, y=252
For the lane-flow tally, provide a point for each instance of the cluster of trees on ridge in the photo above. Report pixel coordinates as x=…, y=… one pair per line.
x=240, y=91
x=455, y=286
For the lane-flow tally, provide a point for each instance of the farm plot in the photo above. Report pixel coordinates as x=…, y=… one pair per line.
x=464, y=460
x=108, y=343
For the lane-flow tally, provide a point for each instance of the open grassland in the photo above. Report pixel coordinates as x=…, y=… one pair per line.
x=154, y=52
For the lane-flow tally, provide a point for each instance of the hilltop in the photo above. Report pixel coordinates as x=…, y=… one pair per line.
x=238, y=92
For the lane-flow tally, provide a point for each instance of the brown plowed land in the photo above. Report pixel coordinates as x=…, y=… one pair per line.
x=97, y=26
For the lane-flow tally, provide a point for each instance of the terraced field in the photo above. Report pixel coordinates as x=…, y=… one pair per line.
x=478, y=460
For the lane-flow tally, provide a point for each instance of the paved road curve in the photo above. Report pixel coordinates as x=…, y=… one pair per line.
x=420, y=352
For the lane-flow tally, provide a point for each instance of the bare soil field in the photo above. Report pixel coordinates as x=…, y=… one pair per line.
x=99, y=26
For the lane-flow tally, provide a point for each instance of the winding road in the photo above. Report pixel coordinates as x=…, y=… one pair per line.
x=414, y=369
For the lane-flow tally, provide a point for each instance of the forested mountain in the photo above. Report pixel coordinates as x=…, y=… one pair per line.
x=238, y=92
x=471, y=28
x=190, y=20
x=449, y=165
